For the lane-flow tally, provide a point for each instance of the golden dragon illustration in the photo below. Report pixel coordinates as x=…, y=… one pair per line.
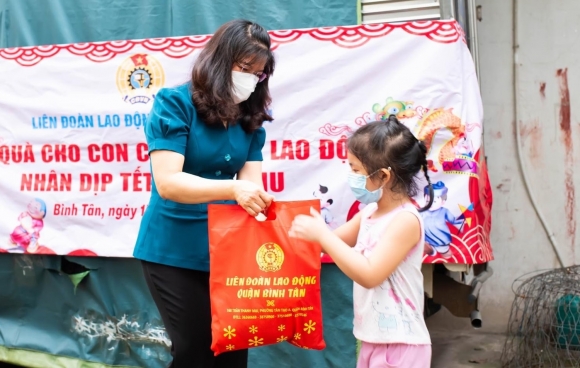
x=434, y=121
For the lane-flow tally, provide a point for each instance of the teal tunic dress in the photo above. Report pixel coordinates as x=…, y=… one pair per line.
x=176, y=234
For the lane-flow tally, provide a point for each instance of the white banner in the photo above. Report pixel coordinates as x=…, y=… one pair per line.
x=74, y=171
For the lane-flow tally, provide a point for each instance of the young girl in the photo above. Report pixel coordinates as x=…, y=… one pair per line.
x=387, y=236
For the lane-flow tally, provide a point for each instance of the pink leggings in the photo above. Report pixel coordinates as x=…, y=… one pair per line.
x=394, y=356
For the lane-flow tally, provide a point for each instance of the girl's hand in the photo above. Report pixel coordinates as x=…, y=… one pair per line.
x=310, y=228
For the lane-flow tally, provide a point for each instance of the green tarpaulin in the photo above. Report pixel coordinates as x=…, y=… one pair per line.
x=41, y=22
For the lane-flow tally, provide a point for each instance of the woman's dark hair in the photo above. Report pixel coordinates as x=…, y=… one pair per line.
x=238, y=41
x=383, y=144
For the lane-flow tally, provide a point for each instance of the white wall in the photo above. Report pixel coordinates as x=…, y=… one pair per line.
x=549, y=39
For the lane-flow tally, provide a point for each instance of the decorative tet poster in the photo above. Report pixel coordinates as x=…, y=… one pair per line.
x=74, y=170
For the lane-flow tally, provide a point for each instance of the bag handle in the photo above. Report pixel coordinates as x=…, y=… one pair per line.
x=269, y=213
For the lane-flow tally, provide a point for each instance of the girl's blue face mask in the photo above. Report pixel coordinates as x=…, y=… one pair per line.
x=358, y=185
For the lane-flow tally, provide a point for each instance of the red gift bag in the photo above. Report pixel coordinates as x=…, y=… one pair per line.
x=264, y=285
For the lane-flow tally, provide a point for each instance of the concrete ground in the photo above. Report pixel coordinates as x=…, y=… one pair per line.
x=457, y=345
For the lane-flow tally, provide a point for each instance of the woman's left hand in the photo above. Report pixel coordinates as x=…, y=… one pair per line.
x=310, y=228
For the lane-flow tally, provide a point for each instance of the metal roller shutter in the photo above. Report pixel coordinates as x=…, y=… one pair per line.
x=392, y=11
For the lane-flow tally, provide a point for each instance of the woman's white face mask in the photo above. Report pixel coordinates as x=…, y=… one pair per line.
x=244, y=85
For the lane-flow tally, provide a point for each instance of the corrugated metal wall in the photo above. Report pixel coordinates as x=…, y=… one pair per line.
x=379, y=11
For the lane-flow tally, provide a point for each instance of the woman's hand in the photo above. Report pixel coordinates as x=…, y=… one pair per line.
x=310, y=227
x=251, y=197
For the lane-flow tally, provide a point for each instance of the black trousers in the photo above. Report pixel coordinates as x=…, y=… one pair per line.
x=182, y=297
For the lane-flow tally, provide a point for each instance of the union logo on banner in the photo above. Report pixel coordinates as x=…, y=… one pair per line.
x=139, y=78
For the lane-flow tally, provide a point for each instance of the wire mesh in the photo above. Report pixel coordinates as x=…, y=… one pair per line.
x=544, y=323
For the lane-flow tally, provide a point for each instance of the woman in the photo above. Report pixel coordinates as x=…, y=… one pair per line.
x=201, y=135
